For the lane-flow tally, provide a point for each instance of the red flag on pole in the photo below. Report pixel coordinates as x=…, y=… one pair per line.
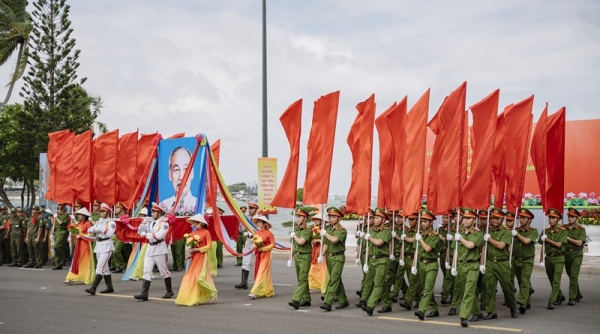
x=555, y=157
x=62, y=165
x=413, y=169
x=147, y=144
x=291, y=120
x=320, y=149
x=81, y=182
x=365, y=162
x=353, y=141
x=56, y=139
x=478, y=188
x=386, y=159
x=106, y=149
x=127, y=158
x=395, y=122
x=499, y=161
x=538, y=154
x=518, y=121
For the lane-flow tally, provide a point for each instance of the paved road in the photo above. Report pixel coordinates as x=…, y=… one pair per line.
x=36, y=301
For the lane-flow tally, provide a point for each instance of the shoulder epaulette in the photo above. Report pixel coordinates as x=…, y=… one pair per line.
x=581, y=226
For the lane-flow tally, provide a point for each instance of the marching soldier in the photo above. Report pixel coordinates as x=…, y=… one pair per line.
x=35, y=236
x=16, y=229
x=414, y=284
x=104, y=229
x=497, y=268
x=445, y=235
x=523, y=256
x=428, y=267
x=96, y=211
x=334, y=248
x=554, y=239
x=241, y=240
x=576, y=237
x=482, y=221
x=249, y=245
x=302, y=237
x=61, y=223
x=366, y=287
x=118, y=256
x=397, y=275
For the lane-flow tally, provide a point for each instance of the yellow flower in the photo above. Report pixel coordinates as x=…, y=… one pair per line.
x=186, y=235
x=197, y=237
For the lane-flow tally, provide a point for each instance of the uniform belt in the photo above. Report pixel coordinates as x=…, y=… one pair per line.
x=155, y=243
x=102, y=239
x=336, y=253
x=554, y=254
x=409, y=255
x=298, y=253
x=430, y=260
x=380, y=256
x=574, y=249
x=498, y=260
x=468, y=261
x=525, y=258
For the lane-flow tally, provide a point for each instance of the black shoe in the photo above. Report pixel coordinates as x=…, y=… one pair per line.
x=531, y=291
x=522, y=309
x=238, y=264
x=294, y=304
x=361, y=304
x=343, y=305
x=220, y=266
x=176, y=269
x=111, y=268
x=514, y=313
x=368, y=310
x=385, y=309
x=325, y=307
x=39, y=266
x=528, y=306
x=322, y=297
x=19, y=265
x=571, y=302
x=463, y=322
x=359, y=293
x=420, y=315
x=405, y=305
x=452, y=311
x=304, y=303
x=29, y=266
x=394, y=299
x=12, y=265
x=476, y=318
x=489, y=316
x=560, y=300
x=433, y=314
x=578, y=299
x=551, y=306
x=57, y=268
x=416, y=305
x=443, y=301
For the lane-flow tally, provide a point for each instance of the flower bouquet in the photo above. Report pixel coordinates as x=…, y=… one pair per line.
x=192, y=241
x=73, y=228
x=316, y=231
x=258, y=241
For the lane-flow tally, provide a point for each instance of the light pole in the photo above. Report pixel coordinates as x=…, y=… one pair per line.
x=265, y=145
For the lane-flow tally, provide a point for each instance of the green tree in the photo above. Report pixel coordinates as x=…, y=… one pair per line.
x=300, y=195
x=15, y=27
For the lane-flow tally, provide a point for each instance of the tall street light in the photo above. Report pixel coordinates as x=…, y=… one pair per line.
x=265, y=145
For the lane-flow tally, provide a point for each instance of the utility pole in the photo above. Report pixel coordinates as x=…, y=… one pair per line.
x=265, y=139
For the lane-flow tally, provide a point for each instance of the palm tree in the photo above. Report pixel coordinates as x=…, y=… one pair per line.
x=15, y=27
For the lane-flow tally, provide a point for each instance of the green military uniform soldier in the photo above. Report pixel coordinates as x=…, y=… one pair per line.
x=445, y=235
x=414, y=283
x=36, y=227
x=394, y=277
x=523, y=256
x=576, y=237
x=61, y=233
x=497, y=267
x=427, y=256
x=118, y=256
x=554, y=240
x=4, y=253
x=334, y=247
x=219, y=250
x=482, y=221
x=16, y=231
x=365, y=286
x=302, y=256
x=241, y=240
x=467, y=257
x=178, y=253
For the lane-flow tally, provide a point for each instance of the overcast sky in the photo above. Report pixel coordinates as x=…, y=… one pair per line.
x=195, y=65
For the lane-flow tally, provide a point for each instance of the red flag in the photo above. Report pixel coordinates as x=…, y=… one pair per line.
x=211, y=193
x=127, y=158
x=106, y=149
x=56, y=140
x=177, y=135
x=555, y=157
x=395, y=122
x=386, y=159
x=365, y=162
x=353, y=141
x=147, y=144
x=518, y=122
x=478, y=189
x=499, y=162
x=413, y=169
x=81, y=179
x=538, y=154
x=291, y=120
x=320, y=149
x=446, y=174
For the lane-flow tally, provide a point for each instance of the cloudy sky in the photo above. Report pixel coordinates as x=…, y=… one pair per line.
x=195, y=65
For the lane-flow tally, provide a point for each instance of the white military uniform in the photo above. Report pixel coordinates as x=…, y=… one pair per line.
x=104, y=229
x=247, y=260
x=157, y=250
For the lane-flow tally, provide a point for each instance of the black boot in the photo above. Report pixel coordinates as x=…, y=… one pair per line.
x=244, y=283
x=144, y=295
x=169, y=293
x=92, y=290
x=109, y=286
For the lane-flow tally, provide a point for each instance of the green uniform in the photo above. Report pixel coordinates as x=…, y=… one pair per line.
x=395, y=272
x=239, y=246
x=3, y=242
x=302, y=261
x=379, y=256
x=555, y=260
x=335, y=265
x=366, y=285
x=414, y=283
x=428, y=269
x=219, y=254
x=36, y=225
x=448, y=279
x=574, y=257
x=468, y=271
x=17, y=230
x=178, y=252
x=497, y=269
x=523, y=258
x=61, y=234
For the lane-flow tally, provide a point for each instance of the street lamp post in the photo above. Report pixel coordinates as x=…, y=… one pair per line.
x=265, y=145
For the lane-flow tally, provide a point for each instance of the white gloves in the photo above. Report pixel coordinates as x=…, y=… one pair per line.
x=247, y=234
x=367, y=236
x=486, y=237
x=366, y=268
x=357, y=261
x=447, y=265
x=320, y=259
x=457, y=236
x=542, y=265
x=449, y=237
x=394, y=234
x=323, y=232
x=143, y=234
x=418, y=237
x=392, y=257
x=453, y=272
x=55, y=215
x=401, y=262
x=413, y=270
x=402, y=237
x=360, y=234
x=292, y=234
x=543, y=237
x=289, y=264
x=514, y=233
x=482, y=269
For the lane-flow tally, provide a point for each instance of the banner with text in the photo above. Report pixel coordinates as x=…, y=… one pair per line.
x=267, y=185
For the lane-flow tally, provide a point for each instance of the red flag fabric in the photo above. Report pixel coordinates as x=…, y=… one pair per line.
x=518, y=121
x=446, y=174
x=106, y=151
x=63, y=193
x=291, y=120
x=211, y=193
x=353, y=141
x=177, y=135
x=386, y=159
x=81, y=179
x=555, y=157
x=499, y=162
x=365, y=161
x=127, y=158
x=56, y=140
x=147, y=144
x=320, y=149
x=538, y=154
x=478, y=188
x=413, y=169
x=395, y=122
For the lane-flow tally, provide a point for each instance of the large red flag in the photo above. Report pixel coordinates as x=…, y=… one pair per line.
x=538, y=154
x=320, y=149
x=386, y=159
x=291, y=120
x=56, y=140
x=499, y=161
x=106, y=149
x=413, y=169
x=518, y=122
x=147, y=144
x=395, y=122
x=211, y=192
x=353, y=141
x=478, y=188
x=365, y=162
x=81, y=182
x=127, y=158
x=555, y=157
x=446, y=175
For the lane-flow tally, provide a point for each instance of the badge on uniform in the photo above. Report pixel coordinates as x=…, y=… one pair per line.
x=165, y=227
x=113, y=225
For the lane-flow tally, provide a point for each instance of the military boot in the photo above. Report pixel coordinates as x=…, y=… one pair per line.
x=144, y=295
x=169, y=293
x=92, y=289
x=109, y=286
x=244, y=283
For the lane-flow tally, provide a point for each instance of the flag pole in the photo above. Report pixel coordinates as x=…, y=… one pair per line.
x=414, y=264
x=291, y=259
x=455, y=256
x=366, y=265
